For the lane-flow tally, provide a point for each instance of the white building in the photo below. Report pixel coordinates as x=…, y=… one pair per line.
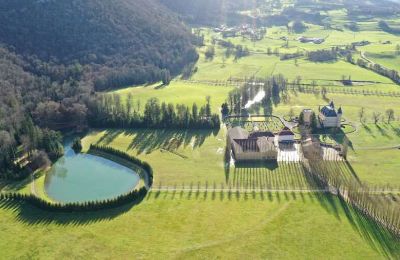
x=258, y=146
x=329, y=117
x=286, y=136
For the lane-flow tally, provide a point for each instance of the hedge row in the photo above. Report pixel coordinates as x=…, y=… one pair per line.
x=132, y=196
x=125, y=156
x=77, y=206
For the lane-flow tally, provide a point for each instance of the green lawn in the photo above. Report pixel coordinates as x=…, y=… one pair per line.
x=178, y=92
x=387, y=59
x=204, y=225
x=197, y=158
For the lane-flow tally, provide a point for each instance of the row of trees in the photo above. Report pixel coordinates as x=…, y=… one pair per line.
x=347, y=187
x=133, y=196
x=271, y=88
x=376, y=116
x=392, y=74
x=111, y=111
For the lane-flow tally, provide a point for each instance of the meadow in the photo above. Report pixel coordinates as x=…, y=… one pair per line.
x=188, y=223
x=194, y=225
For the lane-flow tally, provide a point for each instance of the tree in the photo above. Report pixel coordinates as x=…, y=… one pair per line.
x=324, y=92
x=361, y=115
x=39, y=159
x=210, y=52
x=225, y=109
x=390, y=115
x=301, y=118
x=77, y=145
x=376, y=116
x=313, y=122
x=165, y=77
x=208, y=106
x=398, y=49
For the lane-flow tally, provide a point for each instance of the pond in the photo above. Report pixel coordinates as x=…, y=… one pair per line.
x=86, y=177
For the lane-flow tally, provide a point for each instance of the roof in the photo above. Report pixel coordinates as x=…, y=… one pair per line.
x=261, y=134
x=285, y=133
x=238, y=133
x=248, y=145
x=329, y=111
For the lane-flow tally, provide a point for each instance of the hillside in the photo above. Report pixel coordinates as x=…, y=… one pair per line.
x=126, y=41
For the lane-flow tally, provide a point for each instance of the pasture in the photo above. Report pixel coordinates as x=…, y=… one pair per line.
x=194, y=225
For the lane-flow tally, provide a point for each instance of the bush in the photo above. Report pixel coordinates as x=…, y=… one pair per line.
x=77, y=145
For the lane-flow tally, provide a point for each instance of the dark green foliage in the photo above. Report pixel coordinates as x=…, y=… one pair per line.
x=387, y=28
x=322, y=55
x=301, y=118
x=225, y=109
x=107, y=111
x=77, y=206
x=77, y=145
x=210, y=53
x=297, y=27
x=313, y=123
x=123, y=42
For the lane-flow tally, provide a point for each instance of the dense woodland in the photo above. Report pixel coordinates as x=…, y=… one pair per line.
x=122, y=42
x=52, y=62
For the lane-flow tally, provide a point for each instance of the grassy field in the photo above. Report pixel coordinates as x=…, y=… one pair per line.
x=386, y=59
x=199, y=225
x=197, y=158
x=178, y=92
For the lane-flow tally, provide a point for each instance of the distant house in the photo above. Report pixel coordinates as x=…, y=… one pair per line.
x=329, y=117
x=259, y=146
x=304, y=39
x=286, y=136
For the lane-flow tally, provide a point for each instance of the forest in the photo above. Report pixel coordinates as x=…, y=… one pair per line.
x=50, y=71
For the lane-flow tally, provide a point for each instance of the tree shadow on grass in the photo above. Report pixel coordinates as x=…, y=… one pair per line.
x=32, y=215
x=377, y=236
x=149, y=140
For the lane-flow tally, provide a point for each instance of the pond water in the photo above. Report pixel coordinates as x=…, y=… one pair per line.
x=86, y=177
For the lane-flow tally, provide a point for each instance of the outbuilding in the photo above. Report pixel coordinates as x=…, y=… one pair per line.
x=286, y=136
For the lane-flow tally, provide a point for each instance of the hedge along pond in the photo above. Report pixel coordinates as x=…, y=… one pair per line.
x=135, y=194
x=93, y=177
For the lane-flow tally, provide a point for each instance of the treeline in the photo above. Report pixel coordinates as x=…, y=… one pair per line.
x=111, y=111
x=391, y=74
x=322, y=55
x=387, y=28
x=237, y=51
x=273, y=89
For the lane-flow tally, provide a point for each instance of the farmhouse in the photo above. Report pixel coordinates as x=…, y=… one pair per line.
x=257, y=146
x=329, y=117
